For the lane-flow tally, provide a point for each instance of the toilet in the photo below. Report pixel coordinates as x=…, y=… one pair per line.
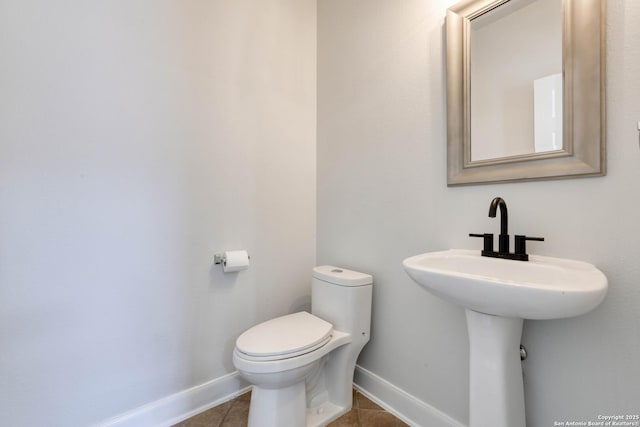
x=301, y=365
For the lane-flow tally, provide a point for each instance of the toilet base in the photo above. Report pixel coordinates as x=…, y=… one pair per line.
x=287, y=407
x=324, y=414
x=278, y=407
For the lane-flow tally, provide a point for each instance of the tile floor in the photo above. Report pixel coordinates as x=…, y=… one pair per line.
x=234, y=413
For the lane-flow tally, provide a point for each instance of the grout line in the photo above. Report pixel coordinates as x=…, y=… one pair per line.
x=233, y=402
x=239, y=400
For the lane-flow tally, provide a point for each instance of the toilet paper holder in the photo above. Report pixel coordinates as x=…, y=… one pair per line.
x=221, y=259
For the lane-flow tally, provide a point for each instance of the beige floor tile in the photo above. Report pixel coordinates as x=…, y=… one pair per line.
x=350, y=419
x=365, y=403
x=376, y=418
x=246, y=396
x=238, y=415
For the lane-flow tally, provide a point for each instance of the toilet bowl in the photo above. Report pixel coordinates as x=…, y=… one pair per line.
x=301, y=365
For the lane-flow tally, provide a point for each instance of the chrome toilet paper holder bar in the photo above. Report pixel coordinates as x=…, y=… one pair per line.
x=219, y=258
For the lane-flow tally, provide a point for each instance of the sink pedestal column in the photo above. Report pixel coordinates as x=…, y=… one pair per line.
x=496, y=393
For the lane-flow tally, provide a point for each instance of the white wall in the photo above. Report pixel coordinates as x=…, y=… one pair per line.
x=136, y=140
x=382, y=196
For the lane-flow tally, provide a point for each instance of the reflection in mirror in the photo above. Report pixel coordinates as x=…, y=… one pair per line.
x=516, y=79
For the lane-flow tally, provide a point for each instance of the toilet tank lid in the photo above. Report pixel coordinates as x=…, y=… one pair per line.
x=341, y=276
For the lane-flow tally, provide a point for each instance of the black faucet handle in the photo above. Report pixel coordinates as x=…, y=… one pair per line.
x=521, y=243
x=488, y=240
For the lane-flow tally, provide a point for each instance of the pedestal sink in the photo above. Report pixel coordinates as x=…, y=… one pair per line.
x=497, y=295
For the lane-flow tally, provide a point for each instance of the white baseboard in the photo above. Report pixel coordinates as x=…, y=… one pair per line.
x=180, y=406
x=406, y=407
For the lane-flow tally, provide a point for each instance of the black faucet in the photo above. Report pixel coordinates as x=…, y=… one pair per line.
x=520, y=253
x=503, y=238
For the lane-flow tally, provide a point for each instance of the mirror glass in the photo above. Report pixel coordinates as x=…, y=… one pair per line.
x=525, y=90
x=516, y=79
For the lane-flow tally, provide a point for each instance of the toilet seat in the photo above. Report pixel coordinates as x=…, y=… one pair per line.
x=284, y=337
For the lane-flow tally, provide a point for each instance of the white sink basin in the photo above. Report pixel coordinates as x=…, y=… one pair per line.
x=541, y=288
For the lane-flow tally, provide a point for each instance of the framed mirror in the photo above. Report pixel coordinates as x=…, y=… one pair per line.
x=525, y=90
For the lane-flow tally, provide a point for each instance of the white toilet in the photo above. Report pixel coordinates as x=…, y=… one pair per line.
x=301, y=365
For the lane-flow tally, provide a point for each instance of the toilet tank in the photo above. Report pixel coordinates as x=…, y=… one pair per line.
x=343, y=298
